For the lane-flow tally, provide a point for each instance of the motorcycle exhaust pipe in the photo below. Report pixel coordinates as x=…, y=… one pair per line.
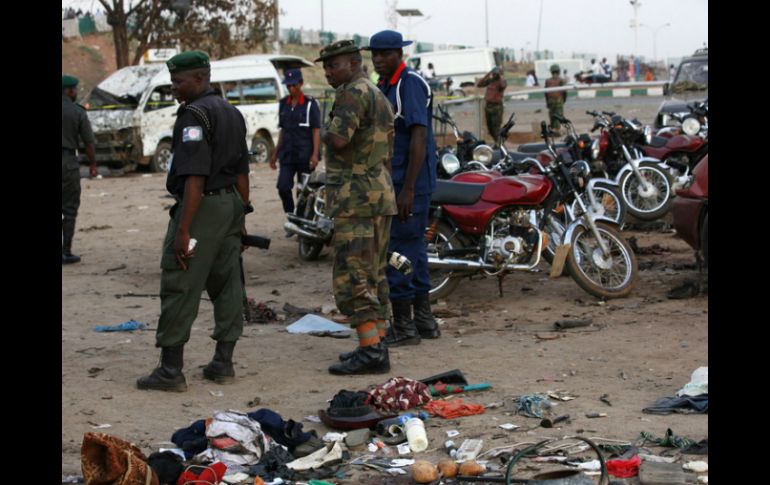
x=293, y=228
x=451, y=264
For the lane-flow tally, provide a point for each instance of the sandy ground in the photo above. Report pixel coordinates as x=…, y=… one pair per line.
x=639, y=349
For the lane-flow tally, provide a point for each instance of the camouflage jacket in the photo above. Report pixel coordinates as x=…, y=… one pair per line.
x=357, y=181
x=555, y=97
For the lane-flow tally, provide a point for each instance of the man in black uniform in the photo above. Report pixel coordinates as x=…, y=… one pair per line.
x=208, y=176
x=74, y=125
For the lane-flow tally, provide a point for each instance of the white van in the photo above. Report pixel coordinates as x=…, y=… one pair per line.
x=464, y=66
x=132, y=112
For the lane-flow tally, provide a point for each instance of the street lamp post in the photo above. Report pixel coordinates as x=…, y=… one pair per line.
x=655, y=38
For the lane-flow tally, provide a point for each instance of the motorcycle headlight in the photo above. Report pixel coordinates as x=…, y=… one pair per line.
x=691, y=126
x=483, y=154
x=595, y=149
x=450, y=163
x=647, y=132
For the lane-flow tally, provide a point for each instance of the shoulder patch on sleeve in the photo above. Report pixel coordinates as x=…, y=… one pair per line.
x=192, y=133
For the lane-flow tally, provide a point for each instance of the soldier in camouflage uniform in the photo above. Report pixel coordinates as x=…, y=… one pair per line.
x=361, y=200
x=555, y=100
x=495, y=83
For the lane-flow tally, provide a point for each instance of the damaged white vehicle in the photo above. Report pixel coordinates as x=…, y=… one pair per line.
x=132, y=112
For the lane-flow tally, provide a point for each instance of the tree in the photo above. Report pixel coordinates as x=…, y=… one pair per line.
x=218, y=27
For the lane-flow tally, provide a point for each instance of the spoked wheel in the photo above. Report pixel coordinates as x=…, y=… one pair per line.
x=651, y=202
x=604, y=276
x=442, y=282
x=609, y=203
x=308, y=249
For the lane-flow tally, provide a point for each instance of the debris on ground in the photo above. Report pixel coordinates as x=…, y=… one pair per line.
x=258, y=312
x=128, y=326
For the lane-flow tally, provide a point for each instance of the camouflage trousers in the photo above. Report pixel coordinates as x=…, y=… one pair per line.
x=555, y=108
x=494, y=115
x=358, y=276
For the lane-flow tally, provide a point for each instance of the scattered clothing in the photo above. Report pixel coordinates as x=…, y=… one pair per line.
x=533, y=405
x=624, y=468
x=453, y=409
x=399, y=394
x=167, y=465
x=203, y=474
x=234, y=438
x=192, y=440
x=273, y=465
x=699, y=448
x=325, y=456
x=258, y=312
x=108, y=459
x=128, y=326
x=683, y=405
x=669, y=441
x=287, y=433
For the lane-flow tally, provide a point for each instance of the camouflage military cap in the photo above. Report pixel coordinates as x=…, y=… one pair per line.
x=555, y=68
x=338, y=48
x=187, y=61
x=69, y=82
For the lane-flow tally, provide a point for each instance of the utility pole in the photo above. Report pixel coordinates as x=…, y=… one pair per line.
x=486, y=19
x=277, y=30
x=539, y=24
x=322, y=15
x=636, y=4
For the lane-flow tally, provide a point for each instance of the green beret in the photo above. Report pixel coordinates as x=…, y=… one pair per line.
x=68, y=82
x=555, y=68
x=187, y=61
x=338, y=48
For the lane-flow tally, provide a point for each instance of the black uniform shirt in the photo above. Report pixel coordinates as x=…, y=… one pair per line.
x=74, y=124
x=209, y=140
x=297, y=124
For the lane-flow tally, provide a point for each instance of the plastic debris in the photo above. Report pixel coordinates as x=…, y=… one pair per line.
x=469, y=450
x=703, y=479
x=235, y=478
x=699, y=383
x=533, y=405
x=696, y=466
x=403, y=449
x=657, y=459
x=332, y=437
x=217, y=393
x=509, y=426
x=128, y=326
x=314, y=323
x=624, y=468
x=102, y=426
x=452, y=433
x=313, y=419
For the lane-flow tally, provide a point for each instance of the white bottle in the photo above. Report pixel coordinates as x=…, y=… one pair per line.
x=415, y=434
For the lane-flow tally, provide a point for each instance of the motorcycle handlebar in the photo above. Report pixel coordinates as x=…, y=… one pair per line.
x=608, y=113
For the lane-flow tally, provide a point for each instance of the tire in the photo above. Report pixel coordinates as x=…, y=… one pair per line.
x=263, y=149
x=442, y=282
x=651, y=207
x=612, y=204
x=615, y=281
x=160, y=160
x=308, y=249
x=704, y=240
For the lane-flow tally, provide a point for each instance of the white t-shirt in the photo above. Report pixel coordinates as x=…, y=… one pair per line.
x=596, y=68
x=530, y=80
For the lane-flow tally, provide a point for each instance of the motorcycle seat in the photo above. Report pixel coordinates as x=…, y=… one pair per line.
x=456, y=193
x=538, y=147
x=658, y=142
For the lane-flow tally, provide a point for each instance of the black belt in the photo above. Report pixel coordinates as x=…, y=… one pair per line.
x=67, y=151
x=230, y=189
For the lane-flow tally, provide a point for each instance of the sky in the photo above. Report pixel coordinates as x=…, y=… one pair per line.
x=600, y=27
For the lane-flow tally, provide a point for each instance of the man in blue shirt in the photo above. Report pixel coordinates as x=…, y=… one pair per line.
x=414, y=178
x=299, y=118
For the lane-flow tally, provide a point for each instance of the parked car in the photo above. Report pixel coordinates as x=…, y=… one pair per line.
x=690, y=84
x=691, y=210
x=132, y=112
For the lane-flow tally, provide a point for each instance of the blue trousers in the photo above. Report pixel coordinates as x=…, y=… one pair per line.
x=286, y=175
x=408, y=238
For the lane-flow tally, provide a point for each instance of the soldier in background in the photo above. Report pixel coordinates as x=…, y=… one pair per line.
x=555, y=100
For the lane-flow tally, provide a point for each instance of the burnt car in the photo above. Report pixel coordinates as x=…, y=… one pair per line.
x=690, y=210
x=690, y=84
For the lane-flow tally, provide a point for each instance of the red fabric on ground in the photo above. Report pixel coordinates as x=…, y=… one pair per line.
x=213, y=474
x=624, y=468
x=399, y=394
x=455, y=408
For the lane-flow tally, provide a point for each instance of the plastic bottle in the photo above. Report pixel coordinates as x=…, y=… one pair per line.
x=415, y=434
x=450, y=448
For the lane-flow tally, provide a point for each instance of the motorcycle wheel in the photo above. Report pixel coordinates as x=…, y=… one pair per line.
x=612, y=205
x=648, y=207
x=443, y=282
x=612, y=277
x=308, y=249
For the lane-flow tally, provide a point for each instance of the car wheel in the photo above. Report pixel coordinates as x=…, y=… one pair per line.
x=262, y=149
x=160, y=161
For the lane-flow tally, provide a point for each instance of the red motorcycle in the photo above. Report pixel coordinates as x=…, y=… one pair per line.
x=488, y=223
x=691, y=211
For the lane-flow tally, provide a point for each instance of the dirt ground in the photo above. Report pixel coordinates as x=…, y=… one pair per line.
x=638, y=349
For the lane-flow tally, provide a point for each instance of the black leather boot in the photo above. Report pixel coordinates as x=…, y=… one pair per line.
x=423, y=317
x=373, y=359
x=168, y=375
x=68, y=232
x=220, y=369
x=402, y=331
